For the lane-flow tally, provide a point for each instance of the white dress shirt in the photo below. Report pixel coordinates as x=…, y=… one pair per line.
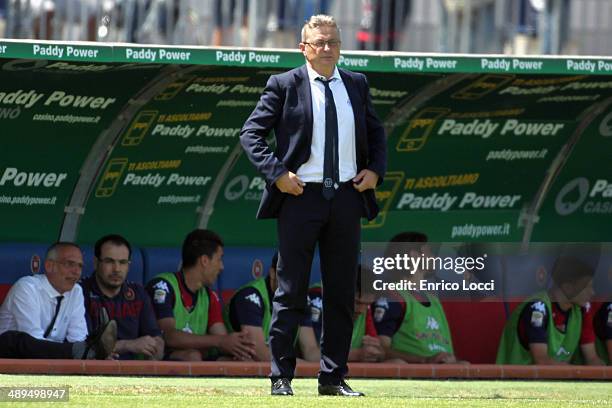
x=30, y=305
x=312, y=170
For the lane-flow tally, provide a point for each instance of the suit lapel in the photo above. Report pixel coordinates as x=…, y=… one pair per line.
x=356, y=104
x=303, y=88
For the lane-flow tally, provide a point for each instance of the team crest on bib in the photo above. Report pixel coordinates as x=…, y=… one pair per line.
x=159, y=296
x=537, y=319
x=129, y=294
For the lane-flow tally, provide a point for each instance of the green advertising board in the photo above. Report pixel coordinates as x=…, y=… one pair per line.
x=579, y=205
x=50, y=119
x=170, y=156
x=143, y=141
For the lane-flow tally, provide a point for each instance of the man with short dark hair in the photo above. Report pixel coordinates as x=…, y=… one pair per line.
x=188, y=311
x=43, y=316
x=546, y=328
x=602, y=322
x=412, y=324
x=593, y=350
x=138, y=335
x=250, y=310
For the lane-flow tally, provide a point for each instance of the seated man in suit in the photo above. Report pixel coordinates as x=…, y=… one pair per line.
x=43, y=316
x=250, y=310
x=188, y=311
x=546, y=328
x=107, y=289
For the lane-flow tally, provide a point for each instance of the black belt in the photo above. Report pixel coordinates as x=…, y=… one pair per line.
x=343, y=184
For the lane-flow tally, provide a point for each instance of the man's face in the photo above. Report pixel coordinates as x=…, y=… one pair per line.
x=428, y=253
x=323, y=58
x=64, y=271
x=580, y=292
x=212, y=266
x=113, y=265
x=423, y=272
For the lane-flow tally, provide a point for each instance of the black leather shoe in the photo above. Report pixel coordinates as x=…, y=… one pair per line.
x=342, y=390
x=282, y=386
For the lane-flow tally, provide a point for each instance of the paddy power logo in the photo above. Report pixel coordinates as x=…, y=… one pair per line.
x=579, y=194
x=605, y=128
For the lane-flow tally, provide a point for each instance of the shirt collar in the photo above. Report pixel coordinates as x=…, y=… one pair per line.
x=182, y=284
x=313, y=75
x=48, y=288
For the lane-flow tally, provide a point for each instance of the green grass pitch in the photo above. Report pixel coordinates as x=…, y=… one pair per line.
x=115, y=392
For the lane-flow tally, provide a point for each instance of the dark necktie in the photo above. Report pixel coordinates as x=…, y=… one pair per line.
x=57, y=308
x=331, y=172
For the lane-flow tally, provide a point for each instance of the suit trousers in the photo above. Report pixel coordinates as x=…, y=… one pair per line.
x=15, y=344
x=305, y=221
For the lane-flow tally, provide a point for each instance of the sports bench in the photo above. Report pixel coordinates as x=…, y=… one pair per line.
x=475, y=326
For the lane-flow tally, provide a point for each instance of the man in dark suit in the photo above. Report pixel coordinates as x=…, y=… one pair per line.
x=330, y=155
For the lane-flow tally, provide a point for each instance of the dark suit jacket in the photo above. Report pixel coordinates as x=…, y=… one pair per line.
x=286, y=107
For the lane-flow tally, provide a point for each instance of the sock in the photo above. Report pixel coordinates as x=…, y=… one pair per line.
x=80, y=351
